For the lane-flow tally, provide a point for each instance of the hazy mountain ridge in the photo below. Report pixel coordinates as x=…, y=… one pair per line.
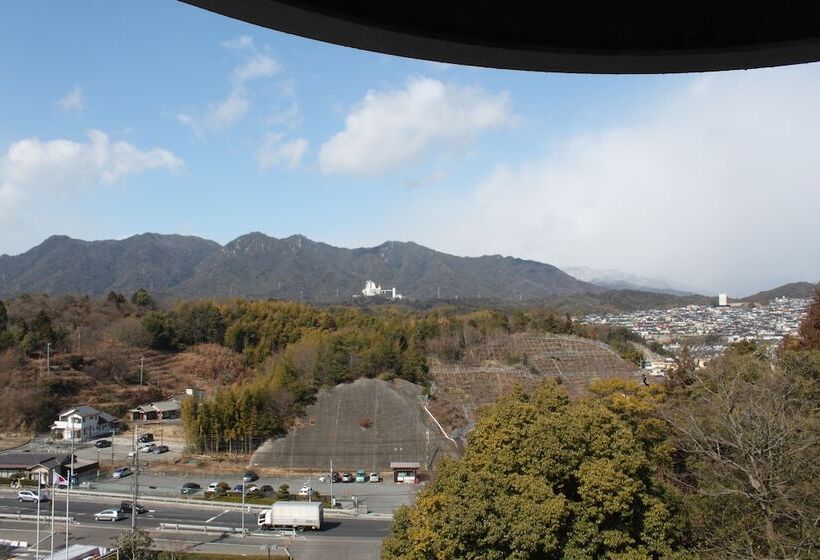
x=256, y=265
x=617, y=280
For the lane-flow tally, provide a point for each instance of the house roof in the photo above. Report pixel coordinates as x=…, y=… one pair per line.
x=28, y=460
x=405, y=465
x=160, y=406
x=83, y=410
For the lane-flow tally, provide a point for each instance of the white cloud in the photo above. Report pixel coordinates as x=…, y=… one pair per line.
x=391, y=128
x=223, y=114
x=258, y=66
x=716, y=185
x=276, y=151
x=218, y=116
x=239, y=43
x=73, y=100
x=31, y=167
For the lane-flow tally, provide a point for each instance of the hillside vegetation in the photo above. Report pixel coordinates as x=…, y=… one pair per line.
x=257, y=359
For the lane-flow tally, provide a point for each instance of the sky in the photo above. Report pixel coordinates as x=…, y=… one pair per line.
x=119, y=118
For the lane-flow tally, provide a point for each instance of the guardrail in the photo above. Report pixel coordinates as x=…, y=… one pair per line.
x=187, y=528
x=199, y=528
x=28, y=517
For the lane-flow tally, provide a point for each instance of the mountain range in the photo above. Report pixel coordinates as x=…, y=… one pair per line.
x=258, y=266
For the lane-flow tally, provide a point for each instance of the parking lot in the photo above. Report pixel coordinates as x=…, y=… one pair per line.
x=155, y=478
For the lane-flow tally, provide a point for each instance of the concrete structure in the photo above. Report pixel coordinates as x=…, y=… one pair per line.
x=723, y=300
x=641, y=36
x=366, y=424
x=83, y=423
x=160, y=410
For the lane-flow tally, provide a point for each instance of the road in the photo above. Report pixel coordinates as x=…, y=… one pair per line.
x=339, y=538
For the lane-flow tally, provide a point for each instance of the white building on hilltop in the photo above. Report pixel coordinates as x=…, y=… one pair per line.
x=723, y=300
x=372, y=290
x=83, y=423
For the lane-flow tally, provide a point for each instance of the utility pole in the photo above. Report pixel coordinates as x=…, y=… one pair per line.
x=331, y=483
x=136, y=466
x=142, y=368
x=48, y=357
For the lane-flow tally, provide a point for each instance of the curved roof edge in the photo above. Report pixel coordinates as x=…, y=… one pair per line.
x=402, y=40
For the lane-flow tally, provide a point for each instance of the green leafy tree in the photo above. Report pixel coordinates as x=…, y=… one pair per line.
x=141, y=298
x=543, y=478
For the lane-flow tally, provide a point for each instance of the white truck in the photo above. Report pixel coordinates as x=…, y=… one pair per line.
x=292, y=515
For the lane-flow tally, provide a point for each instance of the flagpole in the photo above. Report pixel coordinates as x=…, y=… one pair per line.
x=52, y=496
x=39, y=497
x=68, y=490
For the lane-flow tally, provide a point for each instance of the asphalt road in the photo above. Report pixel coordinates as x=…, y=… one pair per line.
x=338, y=538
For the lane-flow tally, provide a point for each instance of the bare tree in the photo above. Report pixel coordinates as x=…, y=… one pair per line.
x=750, y=438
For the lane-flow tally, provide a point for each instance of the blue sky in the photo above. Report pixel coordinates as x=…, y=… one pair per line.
x=120, y=118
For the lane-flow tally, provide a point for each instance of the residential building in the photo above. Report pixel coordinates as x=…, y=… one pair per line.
x=83, y=423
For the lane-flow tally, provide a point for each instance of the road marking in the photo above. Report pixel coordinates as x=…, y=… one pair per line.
x=215, y=516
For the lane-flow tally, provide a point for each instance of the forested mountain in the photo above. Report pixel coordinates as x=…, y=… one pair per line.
x=259, y=266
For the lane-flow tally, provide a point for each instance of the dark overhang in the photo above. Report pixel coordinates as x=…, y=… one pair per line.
x=606, y=37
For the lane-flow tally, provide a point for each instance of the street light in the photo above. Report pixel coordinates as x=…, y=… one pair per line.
x=243, y=507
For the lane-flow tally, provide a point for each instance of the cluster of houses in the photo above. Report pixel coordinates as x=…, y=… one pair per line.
x=81, y=424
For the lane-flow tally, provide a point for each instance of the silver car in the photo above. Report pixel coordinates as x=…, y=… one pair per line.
x=109, y=515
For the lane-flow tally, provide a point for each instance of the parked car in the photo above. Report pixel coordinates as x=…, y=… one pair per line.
x=148, y=447
x=121, y=472
x=100, y=443
x=306, y=490
x=335, y=477
x=126, y=507
x=266, y=489
x=29, y=496
x=360, y=476
x=212, y=487
x=250, y=476
x=237, y=489
x=145, y=438
x=109, y=515
x=189, y=488
x=160, y=449
x=374, y=477
x=347, y=477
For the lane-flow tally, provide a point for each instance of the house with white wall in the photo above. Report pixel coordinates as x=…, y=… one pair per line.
x=83, y=423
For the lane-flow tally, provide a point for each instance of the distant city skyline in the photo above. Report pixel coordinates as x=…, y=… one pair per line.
x=166, y=118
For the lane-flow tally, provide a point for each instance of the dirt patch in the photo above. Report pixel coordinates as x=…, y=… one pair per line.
x=10, y=441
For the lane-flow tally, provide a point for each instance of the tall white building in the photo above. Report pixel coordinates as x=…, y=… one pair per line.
x=371, y=289
x=723, y=300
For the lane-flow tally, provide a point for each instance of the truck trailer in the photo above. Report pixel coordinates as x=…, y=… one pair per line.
x=292, y=515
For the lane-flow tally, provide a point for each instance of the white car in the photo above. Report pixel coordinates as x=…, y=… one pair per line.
x=212, y=487
x=148, y=447
x=109, y=515
x=29, y=496
x=374, y=477
x=306, y=490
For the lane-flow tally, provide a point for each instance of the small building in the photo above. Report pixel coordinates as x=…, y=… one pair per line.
x=45, y=465
x=405, y=471
x=160, y=410
x=83, y=423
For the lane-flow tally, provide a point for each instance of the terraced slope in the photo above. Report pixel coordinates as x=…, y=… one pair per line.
x=489, y=371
